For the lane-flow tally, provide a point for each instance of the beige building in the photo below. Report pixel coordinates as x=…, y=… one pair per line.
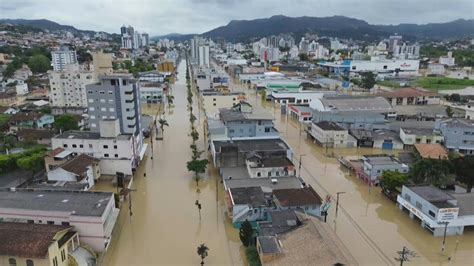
x=214, y=100
x=37, y=244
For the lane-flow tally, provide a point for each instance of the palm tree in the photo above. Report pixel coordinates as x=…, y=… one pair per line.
x=170, y=99
x=202, y=251
x=163, y=123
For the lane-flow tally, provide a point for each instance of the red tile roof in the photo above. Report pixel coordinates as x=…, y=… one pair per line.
x=55, y=152
x=27, y=240
x=431, y=151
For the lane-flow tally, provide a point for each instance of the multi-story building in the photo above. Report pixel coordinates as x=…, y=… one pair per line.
x=116, y=152
x=91, y=214
x=458, y=135
x=145, y=40
x=203, y=52
x=330, y=134
x=63, y=57
x=404, y=51
x=440, y=212
x=375, y=165
x=115, y=97
x=68, y=86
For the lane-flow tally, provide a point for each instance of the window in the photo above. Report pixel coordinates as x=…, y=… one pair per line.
x=90, y=92
x=29, y=263
x=124, y=82
x=418, y=205
x=102, y=92
x=90, y=146
x=74, y=145
x=103, y=109
x=65, y=145
x=106, y=155
x=91, y=100
x=214, y=99
x=91, y=109
x=50, y=222
x=432, y=214
x=106, y=146
x=110, y=92
x=12, y=261
x=81, y=146
x=102, y=100
x=55, y=261
x=115, y=146
x=259, y=174
x=116, y=155
x=214, y=104
x=93, y=125
x=65, y=223
x=267, y=129
x=31, y=221
x=385, y=67
x=112, y=109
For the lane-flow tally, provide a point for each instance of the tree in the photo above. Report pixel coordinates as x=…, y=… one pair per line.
x=203, y=252
x=192, y=117
x=465, y=171
x=163, y=123
x=455, y=97
x=170, y=99
x=198, y=167
x=32, y=162
x=195, y=135
x=39, y=63
x=432, y=171
x=449, y=111
x=65, y=122
x=368, y=80
x=391, y=180
x=246, y=233
x=303, y=57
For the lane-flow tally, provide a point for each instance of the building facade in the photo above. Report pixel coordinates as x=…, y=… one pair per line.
x=63, y=57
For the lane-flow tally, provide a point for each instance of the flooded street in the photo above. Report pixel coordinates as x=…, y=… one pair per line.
x=370, y=225
x=165, y=228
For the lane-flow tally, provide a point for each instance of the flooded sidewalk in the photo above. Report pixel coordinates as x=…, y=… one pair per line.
x=165, y=228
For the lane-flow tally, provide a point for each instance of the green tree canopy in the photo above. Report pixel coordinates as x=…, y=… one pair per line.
x=368, y=80
x=465, y=171
x=65, y=122
x=432, y=171
x=39, y=63
x=203, y=252
x=246, y=233
x=391, y=180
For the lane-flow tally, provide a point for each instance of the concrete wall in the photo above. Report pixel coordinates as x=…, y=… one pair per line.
x=212, y=103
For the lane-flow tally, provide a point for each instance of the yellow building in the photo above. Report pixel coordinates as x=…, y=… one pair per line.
x=166, y=66
x=36, y=244
x=214, y=100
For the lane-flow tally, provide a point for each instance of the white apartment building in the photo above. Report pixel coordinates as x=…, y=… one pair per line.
x=447, y=60
x=68, y=86
x=203, y=53
x=116, y=152
x=92, y=214
x=63, y=57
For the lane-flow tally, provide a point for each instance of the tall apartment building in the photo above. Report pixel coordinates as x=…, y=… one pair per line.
x=203, y=55
x=63, y=57
x=145, y=40
x=68, y=86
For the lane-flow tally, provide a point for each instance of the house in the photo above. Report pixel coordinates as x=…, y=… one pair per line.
x=352, y=120
x=115, y=151
x=431, y=151
x=301, y=113
x=411, y=96
x=280, y=221
x=416, y=135
x=241, y=122
x=82, y=169
x=40, y=136
x=91, y=214
x=233, y=153
x=8, y=110
x=330, y=134
x=37, y=244
x=375, y=165
x=23, y=73
x=214, y=100
x=30, y=120
x=354, y=103
x=246, y=204
x=285, y=96
x=387, y=139
x=303, y=199
x=312, y=243
x=57, y=157
x=458, y=134
x=437, y=210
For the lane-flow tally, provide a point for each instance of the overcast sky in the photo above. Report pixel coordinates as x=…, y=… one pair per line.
x=197, y=16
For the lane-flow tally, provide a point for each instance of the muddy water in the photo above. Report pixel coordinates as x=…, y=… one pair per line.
x=370, y=225
x=165, y=228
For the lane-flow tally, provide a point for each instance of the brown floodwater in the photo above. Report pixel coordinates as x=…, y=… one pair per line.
x=370, y=225
x=165, y=228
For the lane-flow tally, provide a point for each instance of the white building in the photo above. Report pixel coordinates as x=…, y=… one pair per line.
x=404, y=51
x=82, y=169
x=447, y=60
x=21, y=87
x=203, y=52
x=92, y=214
x=116, y=152
x=329, y=134
x=68, y=86
x=385, y=67
x=63, y=57
x=437, y=210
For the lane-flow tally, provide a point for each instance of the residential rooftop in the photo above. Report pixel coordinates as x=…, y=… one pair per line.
x=250, y=145
x=356, y=103
x=75, y=134
x=297, y=197
x=380, y=159
x=269, y=244
x=82, y=203
x=327, y=125
x=430, y=193
x=431, y=151
x=252, y=196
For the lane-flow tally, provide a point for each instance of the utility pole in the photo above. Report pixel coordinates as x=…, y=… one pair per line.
x=299, y=167
x=444, y=236
x=337, y=200
x=130, y=199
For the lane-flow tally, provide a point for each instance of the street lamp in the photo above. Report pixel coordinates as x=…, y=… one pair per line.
x=299, y=168
x=444, y=236
x=337, y=200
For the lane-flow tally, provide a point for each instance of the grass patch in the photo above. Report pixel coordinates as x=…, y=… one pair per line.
x=389, y=83
x=252, y=256
x=443, y=83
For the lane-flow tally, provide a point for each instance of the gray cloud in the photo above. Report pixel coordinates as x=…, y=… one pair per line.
x=197, y=16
